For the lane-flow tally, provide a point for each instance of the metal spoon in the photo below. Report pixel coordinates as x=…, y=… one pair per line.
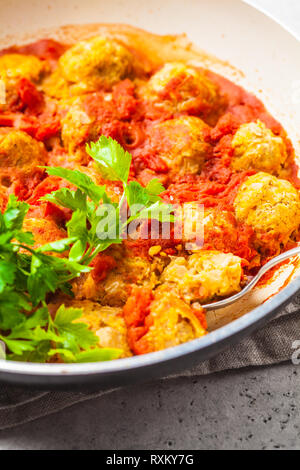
x=252, y=284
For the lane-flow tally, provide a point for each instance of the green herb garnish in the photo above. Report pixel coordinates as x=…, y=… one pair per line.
x=28, y=275
x=87, y=223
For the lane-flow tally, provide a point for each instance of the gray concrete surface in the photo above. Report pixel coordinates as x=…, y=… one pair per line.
x=249, y=409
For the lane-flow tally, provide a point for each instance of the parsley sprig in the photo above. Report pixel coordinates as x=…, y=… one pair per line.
x=27, y=276
x=87, y=223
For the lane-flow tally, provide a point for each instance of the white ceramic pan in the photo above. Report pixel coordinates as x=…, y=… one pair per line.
x=257, y=53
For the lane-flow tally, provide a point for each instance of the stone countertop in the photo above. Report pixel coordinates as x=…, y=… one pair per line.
x=248, y=409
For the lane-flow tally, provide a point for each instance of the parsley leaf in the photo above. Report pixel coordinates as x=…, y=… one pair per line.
x=157, y=211
x=73, y=200
x=7, y=274
x=112, y=160
x=60, y=246
x=81, y=181
x=98, y=355
x=27, y=276
x=15, y=213
x=76, y=335
x=155, y=188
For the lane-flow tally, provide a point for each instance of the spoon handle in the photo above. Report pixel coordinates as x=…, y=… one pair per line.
x=273, y=262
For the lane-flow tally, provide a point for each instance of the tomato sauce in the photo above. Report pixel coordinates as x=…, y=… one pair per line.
x=138, y=319
x=45, y=49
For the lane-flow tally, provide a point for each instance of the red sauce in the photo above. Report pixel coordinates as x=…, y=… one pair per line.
x=45, y=49
x=31, y=99
x=47, y=209
x=102, y=264
x=200, y=314
x=138, y=320
x=207, y=191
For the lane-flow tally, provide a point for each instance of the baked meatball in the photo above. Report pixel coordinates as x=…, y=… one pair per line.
x=270, y=206
x=210, y=225
x=124, y=272
x=75, y=129
x=173, y=321
x=20, y=151
x=107, y=322
x=20, y=156
x=189, y=225
x=161, y=320
x=90, y=65
x=181, y=144
x=16, y=66
x=204, y=275
x=202, y=224
x=215, y=230
x=257, y=148
x=183, y=88
x=22, y=66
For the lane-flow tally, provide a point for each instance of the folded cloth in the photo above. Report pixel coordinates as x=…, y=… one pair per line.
x=272, y=344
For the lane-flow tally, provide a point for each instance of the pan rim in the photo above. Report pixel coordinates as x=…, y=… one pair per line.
x=242, y=324
x=235, y=328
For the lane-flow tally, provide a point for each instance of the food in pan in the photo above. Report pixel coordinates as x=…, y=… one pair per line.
x=106, y=144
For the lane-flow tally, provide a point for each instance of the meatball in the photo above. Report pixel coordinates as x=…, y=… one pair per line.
x=76, y=129
x=183, y=88
x=189, y=226
x=22, y=66
x=270, y=206
x=161, y=320
x=57, y=87
x=174, y=322
x=107, y=322
x=215, y=230
x=204, y=275
x=206, y=225
x=16, y=66
x=19, y=150
x=257, y=148
x=180, y=143
x=96, y=63
x=20, y=156
x=203, y=224
x=128, y=270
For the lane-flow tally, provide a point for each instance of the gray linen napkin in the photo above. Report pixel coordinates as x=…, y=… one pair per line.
x=271, y=345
